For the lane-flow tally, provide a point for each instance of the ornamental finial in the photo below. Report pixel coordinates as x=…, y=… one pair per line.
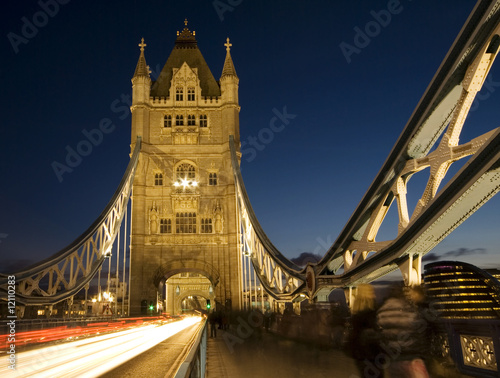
x=186, y=22
x=228, y=45
x=142, y=44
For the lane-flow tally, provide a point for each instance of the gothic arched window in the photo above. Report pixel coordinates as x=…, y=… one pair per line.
x=158, y=179
x=185, y=171
x=190, y=94
x=179, y=94
x=179, y=120
x=212, y=178
x=167, y=121
x=191, y=120
x=203, y=120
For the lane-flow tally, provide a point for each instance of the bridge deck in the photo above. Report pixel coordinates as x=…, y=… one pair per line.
x=268, y=355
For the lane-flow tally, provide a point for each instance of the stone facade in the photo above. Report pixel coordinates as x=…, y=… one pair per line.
x=184, y=215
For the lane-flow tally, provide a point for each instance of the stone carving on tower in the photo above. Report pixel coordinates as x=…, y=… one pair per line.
x=153, y=219
x=218, y=219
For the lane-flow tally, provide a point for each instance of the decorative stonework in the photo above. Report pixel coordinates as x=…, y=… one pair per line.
x=185, y=76
x=185, y=135
x=185, y=202
x=185, y=239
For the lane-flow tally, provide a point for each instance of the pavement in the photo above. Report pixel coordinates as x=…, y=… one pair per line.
x=259, y=354
x=254, y=353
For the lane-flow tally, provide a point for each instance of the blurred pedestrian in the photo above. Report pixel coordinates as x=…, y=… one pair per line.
x=404, y=330
x=212, y=319
x=363, y=339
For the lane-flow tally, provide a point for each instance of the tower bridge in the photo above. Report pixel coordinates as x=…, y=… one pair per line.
x=190, y=212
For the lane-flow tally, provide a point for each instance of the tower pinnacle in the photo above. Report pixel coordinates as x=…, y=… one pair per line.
x=142, y=69
x=228, y=69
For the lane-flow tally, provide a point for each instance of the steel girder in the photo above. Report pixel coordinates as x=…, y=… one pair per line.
x=439, y=116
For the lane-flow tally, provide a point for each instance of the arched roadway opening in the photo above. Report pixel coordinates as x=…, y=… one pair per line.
x=184, y=286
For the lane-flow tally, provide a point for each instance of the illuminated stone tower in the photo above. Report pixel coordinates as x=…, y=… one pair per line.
x=184, y=215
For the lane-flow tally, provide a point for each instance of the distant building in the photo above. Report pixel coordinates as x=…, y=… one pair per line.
x=459, y=290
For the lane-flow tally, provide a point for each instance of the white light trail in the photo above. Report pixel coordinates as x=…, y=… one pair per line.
x=93, y=356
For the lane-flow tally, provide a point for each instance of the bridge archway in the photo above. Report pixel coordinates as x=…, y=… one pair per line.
x=187, y=284
x=193, y=300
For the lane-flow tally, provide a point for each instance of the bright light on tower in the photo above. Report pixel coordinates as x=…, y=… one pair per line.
x=185, y=183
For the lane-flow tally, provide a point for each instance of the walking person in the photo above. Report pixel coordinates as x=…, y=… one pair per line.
x=212, y=319
x=364, y=337
x=404, y=334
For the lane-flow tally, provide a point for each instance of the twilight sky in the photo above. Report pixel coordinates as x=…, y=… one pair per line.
x=295, y=57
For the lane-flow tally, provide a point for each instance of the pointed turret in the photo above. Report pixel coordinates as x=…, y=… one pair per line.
x=228, y=69
x=141, y=88
x=141, y=82
x=229, y=80
x=142, y=69
x=229, y=88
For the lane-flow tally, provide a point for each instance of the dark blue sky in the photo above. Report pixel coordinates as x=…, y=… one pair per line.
x=75, y=69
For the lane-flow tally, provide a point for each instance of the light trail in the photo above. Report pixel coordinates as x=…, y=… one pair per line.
x=94, y=356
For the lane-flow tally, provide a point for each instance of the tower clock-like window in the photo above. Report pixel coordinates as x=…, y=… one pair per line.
x=167, y=121
x=179, y=94
x=203, y=120
x=165, y=226
x=158, y=179
x=206, y=226
x=185, y=223
x=212, y=179
x=179, y=120
x=191, y=120
x=190, y=94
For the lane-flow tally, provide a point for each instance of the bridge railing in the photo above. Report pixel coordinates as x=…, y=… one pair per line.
x=194, y=366
x=473, y=346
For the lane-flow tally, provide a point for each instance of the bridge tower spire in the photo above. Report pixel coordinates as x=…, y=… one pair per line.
x=184, y=237
x=141, y=87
